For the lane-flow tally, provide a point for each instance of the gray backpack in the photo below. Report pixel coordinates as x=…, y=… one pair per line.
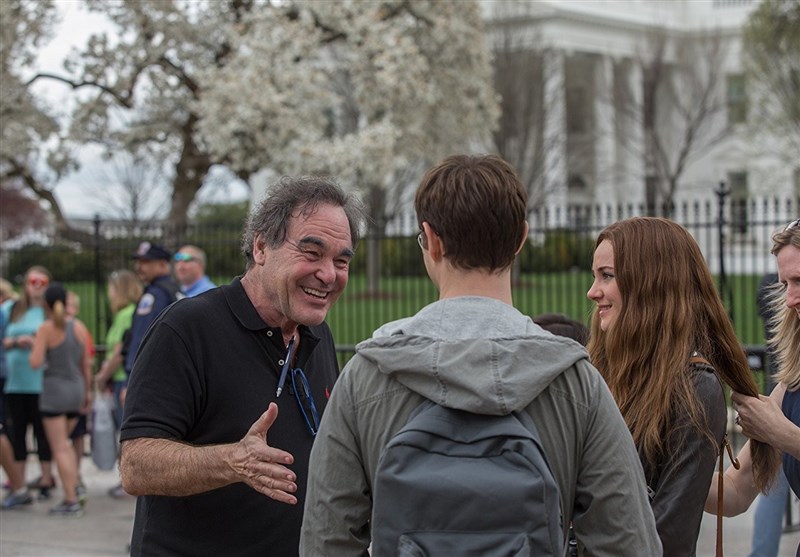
x=451, y=483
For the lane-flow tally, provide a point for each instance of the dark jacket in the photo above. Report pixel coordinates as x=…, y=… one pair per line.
x=678, y=484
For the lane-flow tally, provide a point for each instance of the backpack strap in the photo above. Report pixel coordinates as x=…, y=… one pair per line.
x=721, y=488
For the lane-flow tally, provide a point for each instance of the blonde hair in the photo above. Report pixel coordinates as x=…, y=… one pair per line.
x=785, y=324
x=55, y=298
x=127, y=286
x=59, y=314
x=670, y=309
x=6, y=290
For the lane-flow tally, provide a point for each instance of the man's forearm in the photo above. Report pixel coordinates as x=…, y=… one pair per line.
x=167, y=467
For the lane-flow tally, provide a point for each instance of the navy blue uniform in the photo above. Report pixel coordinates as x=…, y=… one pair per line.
x=157, y=295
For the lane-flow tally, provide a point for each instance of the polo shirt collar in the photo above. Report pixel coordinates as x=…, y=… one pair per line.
x=242, y=307
x=246, y=313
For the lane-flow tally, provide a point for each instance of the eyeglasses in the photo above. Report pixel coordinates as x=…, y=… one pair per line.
x=300, y=389
x=183, y=257
x=791, y=225
x=420, y=239
x=302, y=393
x=37, y=282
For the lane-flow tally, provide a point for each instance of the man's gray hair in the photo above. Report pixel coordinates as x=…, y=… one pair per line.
x=293, y=194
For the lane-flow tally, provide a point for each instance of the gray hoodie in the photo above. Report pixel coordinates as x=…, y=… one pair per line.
x=484, y=356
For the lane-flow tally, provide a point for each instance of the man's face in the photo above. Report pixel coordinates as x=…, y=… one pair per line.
x=149, y=269
x=301, y=279
x=187, y=268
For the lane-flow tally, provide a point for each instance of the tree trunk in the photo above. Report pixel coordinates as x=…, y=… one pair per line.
x=190, y=171
x=376, y=197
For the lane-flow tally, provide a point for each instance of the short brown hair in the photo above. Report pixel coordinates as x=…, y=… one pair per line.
x=477, y=205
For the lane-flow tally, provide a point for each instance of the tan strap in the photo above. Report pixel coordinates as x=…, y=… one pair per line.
x=699, y=360
x=721, y=487
x=734, y=461
x=720, y=491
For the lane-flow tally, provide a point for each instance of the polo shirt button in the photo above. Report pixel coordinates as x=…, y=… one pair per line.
x=280, y=362
x=269, y=333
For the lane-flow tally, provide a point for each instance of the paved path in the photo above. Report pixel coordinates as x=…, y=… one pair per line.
x=104, y=531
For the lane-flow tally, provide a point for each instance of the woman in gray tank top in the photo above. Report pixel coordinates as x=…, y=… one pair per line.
x=62, y=346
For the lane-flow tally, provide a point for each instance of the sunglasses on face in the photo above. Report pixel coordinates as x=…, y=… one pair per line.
x=37, y=282
x=183, y=257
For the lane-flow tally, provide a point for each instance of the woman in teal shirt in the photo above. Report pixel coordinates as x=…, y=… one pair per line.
x=24, y=384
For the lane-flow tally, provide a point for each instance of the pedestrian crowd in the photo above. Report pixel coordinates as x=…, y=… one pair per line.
x=466, y=428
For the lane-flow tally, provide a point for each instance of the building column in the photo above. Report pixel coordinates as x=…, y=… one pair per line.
x=631, y=173
x=555, y=132
x=606, y=189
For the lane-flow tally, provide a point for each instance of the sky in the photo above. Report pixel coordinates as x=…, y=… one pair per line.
x=75, y=191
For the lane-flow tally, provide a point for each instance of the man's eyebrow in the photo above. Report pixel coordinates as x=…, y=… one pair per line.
x=347, y=252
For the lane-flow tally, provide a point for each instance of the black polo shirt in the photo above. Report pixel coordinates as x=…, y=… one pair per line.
x=206, y=370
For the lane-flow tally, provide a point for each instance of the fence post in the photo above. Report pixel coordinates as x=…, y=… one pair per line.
x=98, y=276
x=724, y=288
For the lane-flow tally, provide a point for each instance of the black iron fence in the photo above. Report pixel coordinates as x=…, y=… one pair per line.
x=552, y=273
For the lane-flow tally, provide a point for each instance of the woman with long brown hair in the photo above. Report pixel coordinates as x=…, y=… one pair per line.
x=662, y=339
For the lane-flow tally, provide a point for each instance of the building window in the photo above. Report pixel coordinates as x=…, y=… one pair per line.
x=576, y=183
x=651, y=194
x=739, y=197
x=737, y=99
x=576, y=109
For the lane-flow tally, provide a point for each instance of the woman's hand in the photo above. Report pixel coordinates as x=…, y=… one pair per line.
x=103, y=377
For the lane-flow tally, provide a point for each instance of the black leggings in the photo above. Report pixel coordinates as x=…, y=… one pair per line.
x=21, y=411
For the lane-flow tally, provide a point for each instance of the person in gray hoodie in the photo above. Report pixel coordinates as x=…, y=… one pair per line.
x=472, y=350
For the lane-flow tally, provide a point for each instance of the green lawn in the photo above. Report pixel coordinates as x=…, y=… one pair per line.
x=357, y=314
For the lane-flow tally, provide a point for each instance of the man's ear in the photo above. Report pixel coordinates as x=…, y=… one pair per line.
x=523, y=240
x=435, y=244
x=259, y=249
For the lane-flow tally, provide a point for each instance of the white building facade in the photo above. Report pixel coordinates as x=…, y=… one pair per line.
x=596, y=54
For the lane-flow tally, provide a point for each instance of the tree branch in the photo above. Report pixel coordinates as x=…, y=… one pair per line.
x=125, y=99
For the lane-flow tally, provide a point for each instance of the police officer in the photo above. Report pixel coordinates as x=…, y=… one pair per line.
x=153, y=267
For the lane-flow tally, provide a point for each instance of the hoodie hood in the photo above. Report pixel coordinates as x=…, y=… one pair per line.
x=471, y=353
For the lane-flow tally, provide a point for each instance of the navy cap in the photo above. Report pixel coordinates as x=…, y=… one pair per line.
x=149, y=251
